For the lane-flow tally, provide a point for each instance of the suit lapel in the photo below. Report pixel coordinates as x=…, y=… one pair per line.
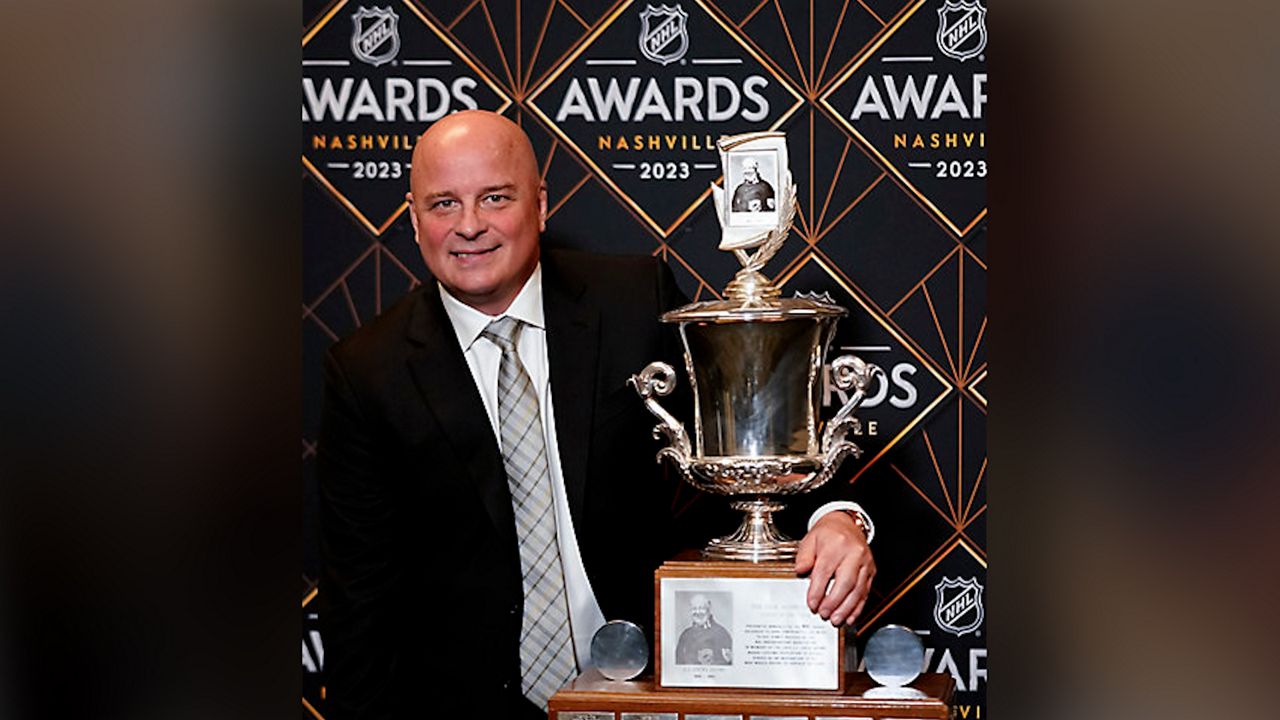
x=441, y=374
x=572, y=343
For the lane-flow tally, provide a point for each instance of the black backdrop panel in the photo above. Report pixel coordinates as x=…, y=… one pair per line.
x=882, y=103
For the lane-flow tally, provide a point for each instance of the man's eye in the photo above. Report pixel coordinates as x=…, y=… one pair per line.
x=443, y=203
x=495, y=198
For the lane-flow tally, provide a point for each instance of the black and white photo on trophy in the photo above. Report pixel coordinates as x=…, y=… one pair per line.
x=706, y=639
x=754, y=179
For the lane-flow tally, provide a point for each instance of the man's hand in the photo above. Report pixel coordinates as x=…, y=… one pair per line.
x=836, y=548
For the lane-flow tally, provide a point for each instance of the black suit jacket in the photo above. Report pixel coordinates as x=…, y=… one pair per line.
x=421, y=598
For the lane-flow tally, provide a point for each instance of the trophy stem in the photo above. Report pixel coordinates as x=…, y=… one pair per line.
x=757, y=539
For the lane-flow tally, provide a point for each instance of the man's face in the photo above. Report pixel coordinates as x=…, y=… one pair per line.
x=751, y=171
x=478, y=208
x=699, y=610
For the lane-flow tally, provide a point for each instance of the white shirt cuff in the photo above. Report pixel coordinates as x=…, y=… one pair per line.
x=844, y=505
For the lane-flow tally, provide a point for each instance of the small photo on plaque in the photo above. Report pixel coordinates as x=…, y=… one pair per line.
x=650, y=716
x=705, y=639
x=752, y=186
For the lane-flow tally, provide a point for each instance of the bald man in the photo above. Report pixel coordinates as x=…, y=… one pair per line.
x=428, y=600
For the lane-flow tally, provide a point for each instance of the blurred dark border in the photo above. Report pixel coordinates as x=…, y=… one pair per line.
x=150, y=509
x=1133, y=359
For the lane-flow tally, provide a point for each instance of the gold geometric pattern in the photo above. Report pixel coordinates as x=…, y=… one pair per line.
x=955, y=543
x=600, y=169
x=960, y=225
x=958, y=349
x=387, y=267
x=959, y=485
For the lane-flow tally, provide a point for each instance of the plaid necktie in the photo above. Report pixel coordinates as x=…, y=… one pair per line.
x=546, y=656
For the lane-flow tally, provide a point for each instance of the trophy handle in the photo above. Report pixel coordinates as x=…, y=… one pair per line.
x=849, y=372
x=659, y=379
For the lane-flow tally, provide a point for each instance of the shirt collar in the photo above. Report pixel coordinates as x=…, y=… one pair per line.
x=468, y=322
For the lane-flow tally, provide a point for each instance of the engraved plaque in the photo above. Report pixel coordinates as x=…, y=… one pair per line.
x=739, y=625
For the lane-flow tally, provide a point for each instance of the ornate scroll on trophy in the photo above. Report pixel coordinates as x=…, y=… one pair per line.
x=754, y=361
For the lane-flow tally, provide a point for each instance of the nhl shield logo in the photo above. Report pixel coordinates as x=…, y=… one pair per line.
x=376, y=36
x=962, y=29
x=664, y=34
x=959, y=606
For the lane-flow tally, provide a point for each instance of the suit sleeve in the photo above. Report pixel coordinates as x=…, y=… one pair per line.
x=359, y=570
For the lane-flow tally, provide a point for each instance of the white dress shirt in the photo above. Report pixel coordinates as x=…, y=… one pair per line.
x=483, y=357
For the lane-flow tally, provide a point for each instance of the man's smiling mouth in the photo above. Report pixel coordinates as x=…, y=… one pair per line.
x=473, y=253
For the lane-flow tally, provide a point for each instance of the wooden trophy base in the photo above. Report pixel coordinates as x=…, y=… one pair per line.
x=732, y=626
x=592, y=697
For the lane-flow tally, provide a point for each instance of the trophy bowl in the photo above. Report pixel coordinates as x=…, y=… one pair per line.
x=754, y=365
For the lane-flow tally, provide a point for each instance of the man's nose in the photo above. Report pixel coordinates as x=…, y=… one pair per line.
x=471, y=223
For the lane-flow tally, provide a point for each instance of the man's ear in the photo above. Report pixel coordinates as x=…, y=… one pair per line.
x=542, y=208
x=413, y=216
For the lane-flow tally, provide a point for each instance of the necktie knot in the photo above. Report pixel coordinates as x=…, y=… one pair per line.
x=503, y=333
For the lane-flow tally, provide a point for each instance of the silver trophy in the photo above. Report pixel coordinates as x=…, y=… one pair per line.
x=754, y=361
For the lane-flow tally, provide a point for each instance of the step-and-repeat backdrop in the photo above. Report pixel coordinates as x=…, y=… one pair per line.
x=883, y=106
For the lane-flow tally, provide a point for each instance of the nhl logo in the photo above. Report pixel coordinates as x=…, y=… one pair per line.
x=376, y=36
x=959, y=606
x=962, y=29
x=664, y=35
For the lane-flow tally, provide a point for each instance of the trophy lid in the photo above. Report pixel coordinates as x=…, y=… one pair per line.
x=773, y=309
